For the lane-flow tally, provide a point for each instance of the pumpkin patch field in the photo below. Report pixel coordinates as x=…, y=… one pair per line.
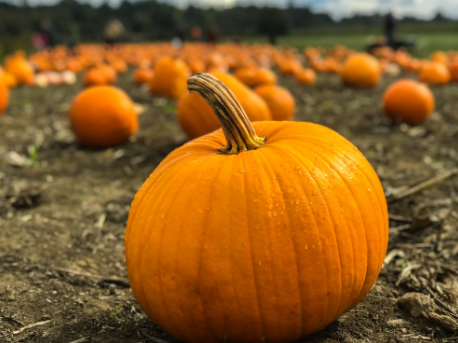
x=323, y=209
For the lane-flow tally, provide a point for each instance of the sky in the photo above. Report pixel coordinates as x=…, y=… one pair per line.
x=425, y=9
x=341, y=8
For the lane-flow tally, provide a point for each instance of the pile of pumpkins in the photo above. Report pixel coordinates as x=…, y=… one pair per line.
x=248, y=70
x=242, y=234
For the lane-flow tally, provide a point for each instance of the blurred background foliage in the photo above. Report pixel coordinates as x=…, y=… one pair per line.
x=152, y=21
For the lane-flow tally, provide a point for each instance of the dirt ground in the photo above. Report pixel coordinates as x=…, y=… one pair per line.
x=63, y=210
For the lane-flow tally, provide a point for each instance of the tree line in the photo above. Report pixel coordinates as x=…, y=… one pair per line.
x=151, y=20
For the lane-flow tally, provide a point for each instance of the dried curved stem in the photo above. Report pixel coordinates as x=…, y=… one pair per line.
x=239, y=132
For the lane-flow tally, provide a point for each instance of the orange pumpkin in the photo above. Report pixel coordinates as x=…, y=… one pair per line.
x=441, y=57
x=290, y=66
x=21, y=69
x=169, y=78
x=9, y=79
x=109, y=72
x=419, y=106
x=120, y=66
x=263, y=232
x=196, y=66
x=280, y=101
x=435, y=73
x=94, y=77
x=306, y=77
x=103, y=116
x=453, y=68
x=361, y=70
x=197, y=118
x=143, y=75
x=254, y=77
x=4, y=97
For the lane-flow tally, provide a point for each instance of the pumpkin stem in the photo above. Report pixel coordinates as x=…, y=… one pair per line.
x=239, y=132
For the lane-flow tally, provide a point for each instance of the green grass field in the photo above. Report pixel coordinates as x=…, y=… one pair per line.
x=427, y=37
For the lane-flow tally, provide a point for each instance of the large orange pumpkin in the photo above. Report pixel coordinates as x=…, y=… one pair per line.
x=280, y=101
x=361, y=70
x=435, y=73
x=197, y=118
x=262, y=232
x=4, y=97
x=169, y=78
x=408, y=101
x=103, y=116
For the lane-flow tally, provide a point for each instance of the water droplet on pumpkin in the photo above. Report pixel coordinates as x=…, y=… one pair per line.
x=297, y=201
x=369, y=189
x=162, y=215
x=306, y=247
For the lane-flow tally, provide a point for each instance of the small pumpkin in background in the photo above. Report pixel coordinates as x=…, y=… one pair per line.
x=254, y=77
x=103, y=116
x=286, y=218
x=306, y=76
x=453, y=69
x=408, y=101
x=331, y=65
x=435, y=73
x=441, y=57
x=8, y=79
x=361, y=70
x=143, y=75
x=4, y=96
x=197, y=118
x=280, y=101
x=119, y=66
x=196, y=66
x=289, y=66
x=109, y=72
x=94, y=77
x=169, y=78
x=21, y=69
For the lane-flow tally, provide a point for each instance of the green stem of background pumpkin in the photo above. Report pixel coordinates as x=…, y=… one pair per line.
x=239, y=132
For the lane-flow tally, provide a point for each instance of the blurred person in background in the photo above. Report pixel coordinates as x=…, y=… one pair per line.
x=50, y=32
x=196, y=33
x=75, y=36
x=389, y=28
x=114, y=32
x=212, y=34
x=39, y=41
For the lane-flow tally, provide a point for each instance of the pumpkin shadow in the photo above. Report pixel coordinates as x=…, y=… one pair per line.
x=329, y=332
x=113, y=330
